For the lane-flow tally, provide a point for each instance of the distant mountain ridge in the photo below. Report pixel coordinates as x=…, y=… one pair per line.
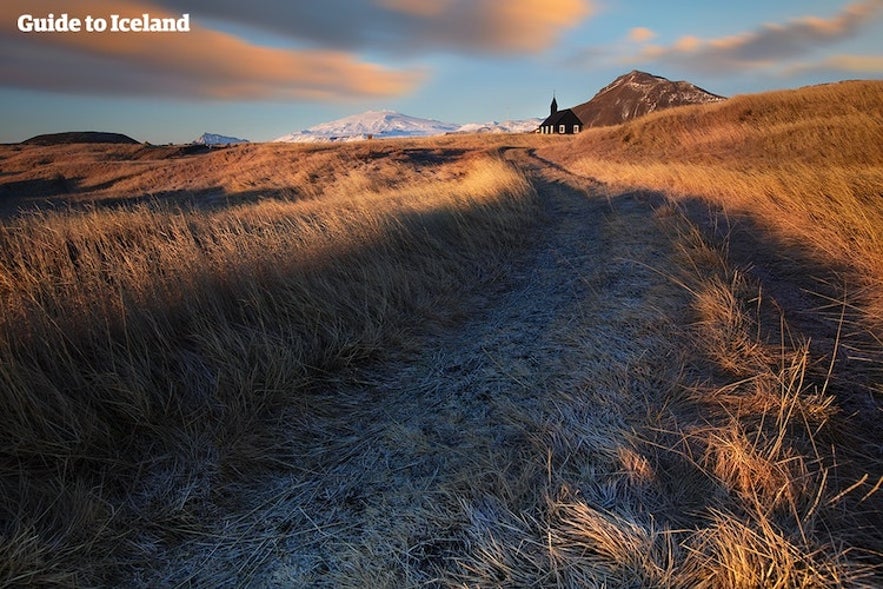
x=381, y=124
x=69, y=137
x=215, y=139
x=508, y=126
x=373, y=123
x=636, y=94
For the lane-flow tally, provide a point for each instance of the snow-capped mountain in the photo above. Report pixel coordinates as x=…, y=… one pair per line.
x=374, y=123
x=215, y=139
x=387, y=123
x=510, y=126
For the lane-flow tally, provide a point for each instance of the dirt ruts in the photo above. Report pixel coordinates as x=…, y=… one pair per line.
x=436, y=465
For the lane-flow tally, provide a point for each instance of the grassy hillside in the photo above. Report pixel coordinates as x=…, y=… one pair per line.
x=140, y=344
x=777, y=200
x=94, y=174
x=312, y=364
x=806, y=164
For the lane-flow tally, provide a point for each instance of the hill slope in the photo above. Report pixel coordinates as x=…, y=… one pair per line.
x=416, y=363
x=636, y=94
x=806, y=163
x=69, y=137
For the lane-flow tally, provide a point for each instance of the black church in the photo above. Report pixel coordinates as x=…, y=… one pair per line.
x=560, y=122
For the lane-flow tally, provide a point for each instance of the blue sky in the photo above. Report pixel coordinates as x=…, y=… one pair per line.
x=264, y=68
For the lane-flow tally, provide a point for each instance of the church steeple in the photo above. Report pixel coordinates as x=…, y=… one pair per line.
x=554, y=106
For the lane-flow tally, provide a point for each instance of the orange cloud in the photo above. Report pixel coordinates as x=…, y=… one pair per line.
x=529, y=25
x=404, y=26
x=688, y=43
x=201, y=64
x=641, y=35
x=422, y=8
x=209, y=63
x=858, y=64
x=770, y=44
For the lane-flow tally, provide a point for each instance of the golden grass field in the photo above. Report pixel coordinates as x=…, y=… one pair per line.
x=805, y=163
x=647, y=355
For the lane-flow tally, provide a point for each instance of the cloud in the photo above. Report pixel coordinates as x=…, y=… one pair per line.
x=767, y=46
x=421, y=8
x=396, y=26
x=203, y=63
x=641, y=35
x=857, y=64
x=322, y=61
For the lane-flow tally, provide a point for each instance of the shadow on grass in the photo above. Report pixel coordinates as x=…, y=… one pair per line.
x=819, y=303
x=177, y=380
x=61, y=195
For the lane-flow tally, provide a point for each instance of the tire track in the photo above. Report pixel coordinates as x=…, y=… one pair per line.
x=436, y=466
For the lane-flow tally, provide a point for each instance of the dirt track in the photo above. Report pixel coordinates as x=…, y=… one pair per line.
x=438, y=464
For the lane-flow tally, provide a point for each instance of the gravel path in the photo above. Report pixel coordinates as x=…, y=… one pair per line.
x=437, y=466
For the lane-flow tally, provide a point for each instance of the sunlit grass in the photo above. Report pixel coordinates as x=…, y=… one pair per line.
x=807, y=164
x=154, y=335
x=140, y=346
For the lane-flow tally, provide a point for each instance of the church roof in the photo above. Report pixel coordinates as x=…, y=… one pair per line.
x=565, y=117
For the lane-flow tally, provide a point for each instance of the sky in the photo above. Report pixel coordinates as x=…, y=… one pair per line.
x=262, y=68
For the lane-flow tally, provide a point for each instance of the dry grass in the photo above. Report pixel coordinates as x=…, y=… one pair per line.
x=636, y=472
x=271, y=383
x=807, y=164
x=97, y=174
x=764, y=437
x=730, y=482
x=141, y=346
x=775, y=483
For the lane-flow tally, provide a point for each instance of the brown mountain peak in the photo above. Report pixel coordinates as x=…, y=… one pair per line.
x=638, y=93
